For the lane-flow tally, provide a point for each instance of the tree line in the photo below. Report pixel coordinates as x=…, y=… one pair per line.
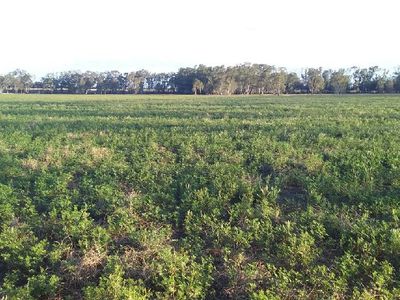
x=218, y=80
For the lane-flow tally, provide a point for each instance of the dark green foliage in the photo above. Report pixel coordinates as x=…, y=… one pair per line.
x=244, y=78
x=171, y=197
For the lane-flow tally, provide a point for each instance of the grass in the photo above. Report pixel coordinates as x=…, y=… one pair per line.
x=192, y=197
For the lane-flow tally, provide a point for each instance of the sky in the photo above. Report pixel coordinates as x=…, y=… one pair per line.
x=44, y=36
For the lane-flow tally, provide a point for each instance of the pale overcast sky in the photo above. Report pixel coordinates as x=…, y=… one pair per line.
x=44, y=36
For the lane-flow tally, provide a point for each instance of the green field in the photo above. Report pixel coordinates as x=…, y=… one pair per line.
x=184, y=197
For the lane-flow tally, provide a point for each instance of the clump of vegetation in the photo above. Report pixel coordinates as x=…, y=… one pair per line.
x=179, y=197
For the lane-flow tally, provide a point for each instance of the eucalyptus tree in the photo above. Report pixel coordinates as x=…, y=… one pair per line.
x=50, y=82
x=198, y=86
x=293, y=83
x=246, y=78
x=383, y=82
x=69, y=81
x=182, y=81
x=112, y=82
x=136, y=81
x=208, y=76
x=396, y=81
x=364, y=80
x=239, y=79
x=8, y=82
x=327, y=75
x=339, y=81
x=88, y=81
x=17, y=81
x=161, y=82
x=229, y=82
x=25, y=80
x=390, y=85
x=313, y=80
x=2, y=83
x=278, y=80
x=264, y=78
x=215, y=80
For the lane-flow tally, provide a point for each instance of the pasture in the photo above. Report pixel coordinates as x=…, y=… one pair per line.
x=199, y=197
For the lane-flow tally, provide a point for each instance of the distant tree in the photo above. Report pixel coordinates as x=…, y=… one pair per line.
x=239, y=79
x=396, y=81
x=132, y=83
x=112, y=82
x=365, y=80
x=278, y=80
x=182, y=81
x=339, y=81
x=8, y=82
x=372, y=79
x=229, y=84
x=327, y=75
x=2, y=83
x=136, y=81
x=198, y=86
x=265, y=78
x=380, y=83
x=17, y=81
x=37, y=85
x=14, y=82
x=151, y=81
x=50, y=82
x=210, y=77
x=161, y=82
x=246, y=78
x=88, y=80
x=25, y=80
x=293, y=83
x=69, y=81
x=357, y=79
x=383, y=82
x=122, y=82
x=313, y=80
x=389, y=85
